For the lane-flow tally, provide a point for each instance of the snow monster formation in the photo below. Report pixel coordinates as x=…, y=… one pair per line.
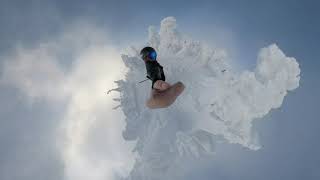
x=218, y=104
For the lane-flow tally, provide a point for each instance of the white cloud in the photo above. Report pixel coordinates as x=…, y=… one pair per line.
x=35, y=72
x=77, y=68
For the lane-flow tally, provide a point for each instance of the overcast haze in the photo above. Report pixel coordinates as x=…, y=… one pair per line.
x=63, y=38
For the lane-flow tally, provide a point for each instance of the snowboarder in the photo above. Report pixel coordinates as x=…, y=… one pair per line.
x=162, y=93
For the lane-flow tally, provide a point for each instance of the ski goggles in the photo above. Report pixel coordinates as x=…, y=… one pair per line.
x=152, y=55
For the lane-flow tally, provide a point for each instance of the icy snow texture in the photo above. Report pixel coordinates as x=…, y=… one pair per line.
x=216, y=104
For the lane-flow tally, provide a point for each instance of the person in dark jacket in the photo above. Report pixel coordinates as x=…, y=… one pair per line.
x=162, y=93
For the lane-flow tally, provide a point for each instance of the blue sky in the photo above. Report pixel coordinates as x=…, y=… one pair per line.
x=289, y=135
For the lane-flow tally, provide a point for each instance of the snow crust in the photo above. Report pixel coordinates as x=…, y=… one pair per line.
x=218, y=104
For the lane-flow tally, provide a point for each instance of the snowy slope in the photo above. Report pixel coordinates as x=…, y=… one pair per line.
x=217, y=104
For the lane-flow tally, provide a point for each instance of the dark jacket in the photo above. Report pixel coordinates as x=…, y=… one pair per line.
x=154, y=71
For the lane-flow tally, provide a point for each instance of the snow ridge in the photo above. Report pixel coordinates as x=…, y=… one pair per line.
x=218, y=104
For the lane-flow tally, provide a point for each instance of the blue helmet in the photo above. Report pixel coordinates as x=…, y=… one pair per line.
x=148, y=52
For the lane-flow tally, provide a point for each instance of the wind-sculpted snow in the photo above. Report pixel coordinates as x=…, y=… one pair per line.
x=217, y=104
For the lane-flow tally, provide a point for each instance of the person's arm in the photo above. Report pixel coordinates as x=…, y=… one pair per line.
x=163, y=77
